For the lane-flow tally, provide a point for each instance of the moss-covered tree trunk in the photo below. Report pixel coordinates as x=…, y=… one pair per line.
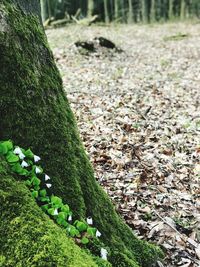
x=35, y=113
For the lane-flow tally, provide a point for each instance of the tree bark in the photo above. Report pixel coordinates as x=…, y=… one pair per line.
x=144, y=12
x=182, y=9
x=130, y=11
x=90, y=8
x=106, y=14
x=35, y=113
x=170, y=12
x=116, y=3
x=44, y=12
x=153, y=11
x=30, y=6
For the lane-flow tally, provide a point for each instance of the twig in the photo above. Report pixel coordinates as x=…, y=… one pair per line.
x=157, y=214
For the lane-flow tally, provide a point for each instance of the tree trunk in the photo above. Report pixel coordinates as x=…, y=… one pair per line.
x=106, y=14
x=170, y=12
x=153, y=11
x=116, y=9
x=130, y=11
x=144, y=12
x=90, y=8
x=44, y=12
x=123, y=11
x=182, y=9
x=35, y=113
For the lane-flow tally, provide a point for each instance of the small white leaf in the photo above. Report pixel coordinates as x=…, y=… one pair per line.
x=48, y=185
x=55, y=212
x=98, y=234
x=21, y=156
x=47, y=177
x=37, y=170
x=36, y=158
x=89, y=221
x=104, y=253
x=17, y=151
x=24, y=164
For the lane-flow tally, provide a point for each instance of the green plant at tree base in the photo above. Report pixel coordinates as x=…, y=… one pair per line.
x=22, y=162
x=28, y=237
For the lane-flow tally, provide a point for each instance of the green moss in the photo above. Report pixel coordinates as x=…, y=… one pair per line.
x=28, y=236
x=35, y=113
x=121, y=260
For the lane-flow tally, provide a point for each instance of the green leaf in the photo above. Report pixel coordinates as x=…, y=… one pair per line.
x=65, y=224
x=29, y=154
x=81, y=226
x=9, y=144
x=62, y=215
x=84, y=240
x=44, y=199
x=34, y=194
x=37, y=187
x=51, y=211
x=5, y=147
x=17, y=168
x=45, y=207
x=91, y=231
x=61, y=222
x=56, y=201
x=28, y=183
x=36, y=181
x=12, y=158
x=73, y=231
x=43, y=193
x=65, y=208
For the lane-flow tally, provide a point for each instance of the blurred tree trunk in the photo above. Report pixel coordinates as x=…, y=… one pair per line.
x=153, y=11
x=49, y=8
x=123, y=10
x=106, y=14
x=116, y=4
x=144, y=11
x=90, y=8
x=130, y=11
x=170, y=11
x=182, y=9
x=44, y=12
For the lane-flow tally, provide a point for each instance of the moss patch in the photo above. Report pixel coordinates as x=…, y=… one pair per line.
x=28, y=236
x=35, y=113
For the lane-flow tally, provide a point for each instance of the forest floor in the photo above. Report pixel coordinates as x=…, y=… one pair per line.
x=138, y=112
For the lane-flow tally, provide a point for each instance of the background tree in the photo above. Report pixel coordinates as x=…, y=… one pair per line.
x=106, y=14
x=144, y=11
x=35, y=113
x=123, y=10
x=90, y=8
x=116, y=5
x=153, y=11
x=130, y=11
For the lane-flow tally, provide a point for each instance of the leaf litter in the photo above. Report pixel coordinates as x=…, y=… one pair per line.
x=138, y=113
